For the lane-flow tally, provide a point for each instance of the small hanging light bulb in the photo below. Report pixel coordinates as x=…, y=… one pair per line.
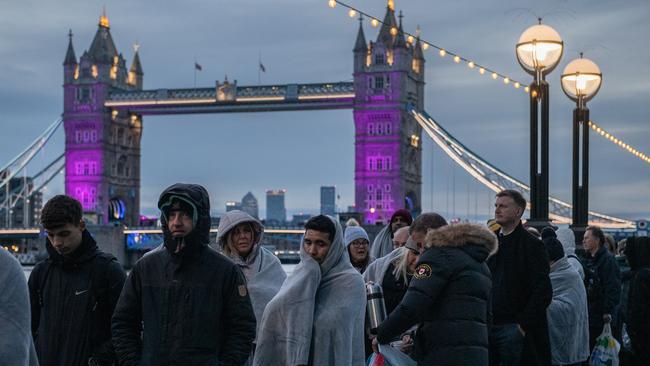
x=352, y=13
x=517, y=85
x=393, y=31
x=456, y=59
x=425, y=46
x=442, y=53
x=470, y=64
x=410, y=39
x=494, y=75
x=527, y=89
x=331, y=3
x=374, y=22
x=481, y=71
x=506, y=80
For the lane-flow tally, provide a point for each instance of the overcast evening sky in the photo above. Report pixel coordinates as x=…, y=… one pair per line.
x=302, y=41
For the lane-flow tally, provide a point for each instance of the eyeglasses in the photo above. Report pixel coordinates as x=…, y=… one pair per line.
x=359, y=243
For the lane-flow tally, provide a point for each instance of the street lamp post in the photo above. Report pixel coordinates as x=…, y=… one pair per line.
x=538, y=51
x=581, y=81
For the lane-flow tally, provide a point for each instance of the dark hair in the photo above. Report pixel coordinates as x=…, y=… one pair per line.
x=516, y=196
x=61, y=210
x=323, y=224
x=598, y=233
x=426, y=221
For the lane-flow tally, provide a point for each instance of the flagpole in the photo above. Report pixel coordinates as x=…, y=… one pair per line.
x=194, y=72
x=259, y=71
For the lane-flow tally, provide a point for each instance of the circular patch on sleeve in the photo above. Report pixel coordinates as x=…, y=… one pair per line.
x=422, y=271
x=242, y=290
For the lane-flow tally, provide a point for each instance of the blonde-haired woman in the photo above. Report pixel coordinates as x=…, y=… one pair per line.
x=239, y=237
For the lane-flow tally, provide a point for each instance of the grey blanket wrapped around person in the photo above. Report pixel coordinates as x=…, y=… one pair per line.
x=383, y=243
x=263, y=270
x=317, y=318
x=377, y=270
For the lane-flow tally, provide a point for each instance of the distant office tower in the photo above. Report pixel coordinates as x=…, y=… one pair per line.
x=275, y=210
x=232, y=205
x=328, y=200
x=249, y=205
x=15, y=211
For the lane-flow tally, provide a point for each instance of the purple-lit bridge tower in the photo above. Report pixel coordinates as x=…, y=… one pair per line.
x=104, y=104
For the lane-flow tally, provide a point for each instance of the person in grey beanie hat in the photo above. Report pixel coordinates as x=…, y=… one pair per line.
x=357, y=241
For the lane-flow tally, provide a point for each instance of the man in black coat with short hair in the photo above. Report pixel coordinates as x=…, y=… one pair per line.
x=73, y=292
x=521, y=289
x=184, y=304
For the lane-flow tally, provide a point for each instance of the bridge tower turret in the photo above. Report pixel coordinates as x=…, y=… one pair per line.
x=102, y=147
x=388, y=76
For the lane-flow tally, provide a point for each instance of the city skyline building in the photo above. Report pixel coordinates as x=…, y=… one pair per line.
x=276, y=211
x=23, y=213
x=233, y=205
x=328, y=200
x=250, y=205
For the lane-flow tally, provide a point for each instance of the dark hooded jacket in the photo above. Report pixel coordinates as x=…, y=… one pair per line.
x=449, y=298
x=185, y=308
x=637, y=251
x=72, y=300
x=522, y=291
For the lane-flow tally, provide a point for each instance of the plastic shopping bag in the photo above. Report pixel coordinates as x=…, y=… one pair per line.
x=395, y=357
x=376, y=359
x=605, y=352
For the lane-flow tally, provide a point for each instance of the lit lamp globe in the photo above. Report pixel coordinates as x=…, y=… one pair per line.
x=581, y=80
x=539, y=50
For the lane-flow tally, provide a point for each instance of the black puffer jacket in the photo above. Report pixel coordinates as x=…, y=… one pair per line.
x=72, y=300
x=637, y=251
x=194, y=304
x=449, y=298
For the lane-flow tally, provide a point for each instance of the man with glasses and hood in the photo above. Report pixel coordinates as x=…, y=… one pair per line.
x=317, y=317
x=184, y=304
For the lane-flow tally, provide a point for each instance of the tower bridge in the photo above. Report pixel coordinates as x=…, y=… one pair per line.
x=105, y=103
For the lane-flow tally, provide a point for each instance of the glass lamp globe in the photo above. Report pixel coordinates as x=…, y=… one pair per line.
x=581, y=79
x=539, y=49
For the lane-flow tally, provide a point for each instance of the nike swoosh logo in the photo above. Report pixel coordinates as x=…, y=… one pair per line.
x=80, y=292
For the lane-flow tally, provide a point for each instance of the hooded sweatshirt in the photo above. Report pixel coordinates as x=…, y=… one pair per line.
x=568, y=240
x=72, y=300
x=184, y=308
x=16, y=343
x=317, y=318
x=263, y=270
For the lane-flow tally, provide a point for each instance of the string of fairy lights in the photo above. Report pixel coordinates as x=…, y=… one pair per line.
x=471, y=64
x=625, y=146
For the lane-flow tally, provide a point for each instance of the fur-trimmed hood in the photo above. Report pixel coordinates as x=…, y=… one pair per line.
x=459, y=235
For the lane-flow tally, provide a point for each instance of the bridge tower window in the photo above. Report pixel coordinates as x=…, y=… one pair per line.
x=379, y=59
x=379, y=82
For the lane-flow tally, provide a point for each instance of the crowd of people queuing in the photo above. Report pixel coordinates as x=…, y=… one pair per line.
x=454, y=294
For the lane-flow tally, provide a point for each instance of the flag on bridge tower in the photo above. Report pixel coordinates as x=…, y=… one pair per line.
x=262, y=68
x=197, y=66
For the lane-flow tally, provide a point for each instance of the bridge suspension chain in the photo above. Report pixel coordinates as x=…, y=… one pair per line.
x=497, y=180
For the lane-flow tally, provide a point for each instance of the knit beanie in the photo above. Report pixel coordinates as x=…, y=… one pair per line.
x=548, y=232
x=553, y=248
x=405, y=214
x=353, y=233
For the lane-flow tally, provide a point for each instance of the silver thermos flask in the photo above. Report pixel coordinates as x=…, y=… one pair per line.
x=376, y=308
